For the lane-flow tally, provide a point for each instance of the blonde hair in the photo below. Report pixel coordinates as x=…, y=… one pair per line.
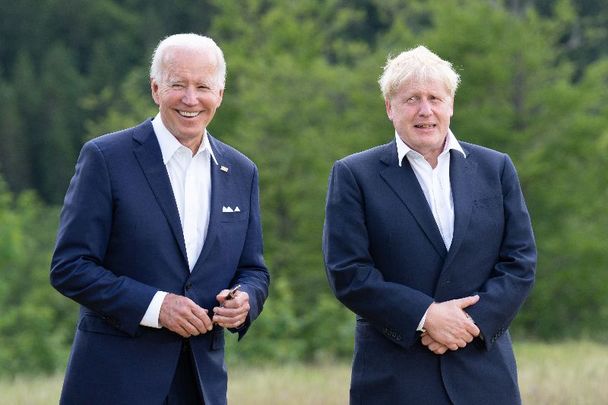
x=417, y=65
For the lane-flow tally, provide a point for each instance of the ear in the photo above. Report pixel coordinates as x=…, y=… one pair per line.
x=389, y=110
x=221, y=97
x=154, y=90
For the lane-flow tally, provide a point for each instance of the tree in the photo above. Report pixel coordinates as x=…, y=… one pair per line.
x=57, y=142
x=36, y=321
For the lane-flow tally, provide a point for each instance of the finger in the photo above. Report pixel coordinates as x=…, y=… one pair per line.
x=467, y=301
x=426, y=340
x=228, y=314
x=206, y=324
x=434, y=346
x=461, y=343
x=222, y=295
x=198, y=325
x=189, y=326
x=231, y=311
x=182, y=331
x=437, y=348
x=441, y=350
x=233, y=303
x=240, y=299
x=473, y=329
x=228, y=322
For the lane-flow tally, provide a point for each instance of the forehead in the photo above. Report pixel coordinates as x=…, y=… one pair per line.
x=430, y=86
x=185, y=63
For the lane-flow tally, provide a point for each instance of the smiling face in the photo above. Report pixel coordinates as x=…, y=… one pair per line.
x=421, y=113
x=187, y=94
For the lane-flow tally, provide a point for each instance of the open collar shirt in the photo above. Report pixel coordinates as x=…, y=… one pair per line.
x=435, y=182
x=190, y=177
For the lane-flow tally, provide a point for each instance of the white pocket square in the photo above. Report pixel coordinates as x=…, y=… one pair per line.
x=229, y=209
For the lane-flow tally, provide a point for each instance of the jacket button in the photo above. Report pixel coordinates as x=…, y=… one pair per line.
x=188, y=286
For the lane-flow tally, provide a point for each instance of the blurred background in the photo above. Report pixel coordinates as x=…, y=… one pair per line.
x=302, y=92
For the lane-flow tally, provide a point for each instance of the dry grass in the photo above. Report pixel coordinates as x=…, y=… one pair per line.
x=290, y=384
x=31, y=390
x=573, y=373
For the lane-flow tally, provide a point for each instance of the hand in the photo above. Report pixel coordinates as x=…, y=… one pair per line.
x=449, y=325
x=182, y=316
x=231, y=313
x=432, y=344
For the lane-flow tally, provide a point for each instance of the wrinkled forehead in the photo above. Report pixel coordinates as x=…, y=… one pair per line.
x=179, y=60
x=424, y=85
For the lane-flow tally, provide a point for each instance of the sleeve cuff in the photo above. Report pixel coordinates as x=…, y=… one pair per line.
x=150, y=318
x=420, y=327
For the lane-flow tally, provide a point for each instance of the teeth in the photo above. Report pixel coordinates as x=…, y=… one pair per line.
x=189, y=114
x=425, y=126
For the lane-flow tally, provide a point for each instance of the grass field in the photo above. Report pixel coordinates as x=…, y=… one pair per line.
x=566, y=373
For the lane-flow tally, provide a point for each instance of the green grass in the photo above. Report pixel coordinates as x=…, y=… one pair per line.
x=574, y=373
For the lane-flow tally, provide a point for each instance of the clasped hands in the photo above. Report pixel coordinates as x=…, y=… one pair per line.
x=181, y=315
x=448, y=327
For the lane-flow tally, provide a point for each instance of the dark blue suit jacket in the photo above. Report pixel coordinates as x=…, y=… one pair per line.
x=387, y=262
x=120, y=240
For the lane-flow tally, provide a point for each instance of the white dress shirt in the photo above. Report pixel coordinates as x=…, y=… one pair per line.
x=435, y=183
x=190, y=177
x=436, y=186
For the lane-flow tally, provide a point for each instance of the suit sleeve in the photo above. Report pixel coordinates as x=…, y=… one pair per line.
x=251, y=272
x=77, y=269
x=512, y=278
x=394, y=309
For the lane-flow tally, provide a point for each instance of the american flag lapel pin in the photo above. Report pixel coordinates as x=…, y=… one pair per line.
x=224, y=169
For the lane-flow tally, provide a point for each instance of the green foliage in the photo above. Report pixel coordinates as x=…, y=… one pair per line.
x=36, y=323
x=301, y=93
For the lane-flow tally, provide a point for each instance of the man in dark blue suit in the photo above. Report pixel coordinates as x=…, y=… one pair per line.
x=158, y=223
x=428, y=240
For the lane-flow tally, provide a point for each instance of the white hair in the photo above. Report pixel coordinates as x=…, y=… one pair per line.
x=190, y=41
x=417, y=65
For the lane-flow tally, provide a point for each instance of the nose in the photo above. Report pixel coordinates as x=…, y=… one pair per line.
x=425, y=108
x=189, y=97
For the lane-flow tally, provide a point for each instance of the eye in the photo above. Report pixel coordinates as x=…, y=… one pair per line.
x=412, y=100
x=177, y=86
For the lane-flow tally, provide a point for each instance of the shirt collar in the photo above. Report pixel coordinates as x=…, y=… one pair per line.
x=169, y=143
x=451, y=144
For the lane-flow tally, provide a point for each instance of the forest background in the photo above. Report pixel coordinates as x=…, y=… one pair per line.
x=302, y=92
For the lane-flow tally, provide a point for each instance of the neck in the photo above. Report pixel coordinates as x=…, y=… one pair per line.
x=193, y=144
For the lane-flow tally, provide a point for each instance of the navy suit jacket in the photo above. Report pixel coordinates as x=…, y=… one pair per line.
x=387, y=262
x=120, y=240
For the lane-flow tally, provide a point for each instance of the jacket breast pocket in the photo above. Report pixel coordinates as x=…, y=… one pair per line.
x=488, y=213
x=234, y=216
x=489, y=202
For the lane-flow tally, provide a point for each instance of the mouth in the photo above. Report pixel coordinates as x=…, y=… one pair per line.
x=188, y=114
x=425, y=126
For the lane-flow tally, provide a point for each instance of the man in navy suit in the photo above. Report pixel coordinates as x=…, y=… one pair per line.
x=158, y=223
x=428, y=241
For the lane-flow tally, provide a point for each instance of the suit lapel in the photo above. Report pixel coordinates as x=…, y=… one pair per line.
x=148, y=154
x=462, y=171
x=402, y=180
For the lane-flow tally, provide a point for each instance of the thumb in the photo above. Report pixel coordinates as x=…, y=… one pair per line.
x=221, y=296
x=467, y=301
